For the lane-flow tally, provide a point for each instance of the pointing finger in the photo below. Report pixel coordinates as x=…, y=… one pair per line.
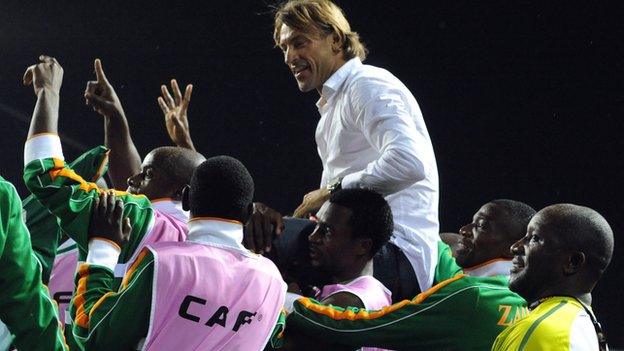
x=99, y=71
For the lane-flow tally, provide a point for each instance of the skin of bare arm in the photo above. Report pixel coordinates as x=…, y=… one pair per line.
x=124, y=159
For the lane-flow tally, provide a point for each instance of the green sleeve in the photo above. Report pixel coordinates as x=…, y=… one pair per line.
x=106, y=319
x=69, y=197
x=25, y=306
x=45, y=234
x=459, y=313
x=447, y=267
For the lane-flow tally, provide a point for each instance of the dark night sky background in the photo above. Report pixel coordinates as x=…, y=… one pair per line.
x=522, y=100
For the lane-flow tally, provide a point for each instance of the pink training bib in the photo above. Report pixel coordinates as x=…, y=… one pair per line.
x=210, y=297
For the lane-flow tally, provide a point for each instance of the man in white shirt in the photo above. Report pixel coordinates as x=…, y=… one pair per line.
x=371, y=134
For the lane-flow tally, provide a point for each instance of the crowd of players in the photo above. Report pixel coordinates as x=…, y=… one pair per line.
x=183, y=259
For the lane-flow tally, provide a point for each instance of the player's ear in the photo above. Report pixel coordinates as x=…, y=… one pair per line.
x=364, y=246
x=186, y=205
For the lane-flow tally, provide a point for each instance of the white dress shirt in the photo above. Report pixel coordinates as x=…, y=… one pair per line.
x=372, y=133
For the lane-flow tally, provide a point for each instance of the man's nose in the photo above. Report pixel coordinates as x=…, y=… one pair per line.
x=466, y=230
x=132, y=180
x=517, y=248
x=289, y=56
x=314, y=236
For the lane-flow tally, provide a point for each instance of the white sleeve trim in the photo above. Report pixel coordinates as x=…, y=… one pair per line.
x=103, y=253
x=42, y=146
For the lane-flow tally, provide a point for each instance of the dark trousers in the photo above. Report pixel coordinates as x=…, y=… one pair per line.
x=290, y=254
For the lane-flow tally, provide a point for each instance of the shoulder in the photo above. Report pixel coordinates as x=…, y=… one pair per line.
x=368, y=81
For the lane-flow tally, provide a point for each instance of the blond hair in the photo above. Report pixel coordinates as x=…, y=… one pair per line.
x=319, y=17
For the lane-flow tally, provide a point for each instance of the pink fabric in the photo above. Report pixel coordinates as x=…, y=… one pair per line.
x=61, y=283
x=166, y=228
x=209, y=297
x=372, y=292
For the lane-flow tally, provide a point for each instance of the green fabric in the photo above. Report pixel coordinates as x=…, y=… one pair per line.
x=121, y=318
x=45, y=234
x=25, y=306
x=69, y=197
x=446, y=268
x=463, y=313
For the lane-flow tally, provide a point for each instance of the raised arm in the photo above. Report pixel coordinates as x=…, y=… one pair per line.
x=55, y=185
x=46, y=78
x=124, y=158
x=175, y=111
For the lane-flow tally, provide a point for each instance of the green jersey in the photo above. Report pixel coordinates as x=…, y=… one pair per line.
x=446, y=268
x=69, y=197
x=45, y=233
x=25, y=306
x=461, y=313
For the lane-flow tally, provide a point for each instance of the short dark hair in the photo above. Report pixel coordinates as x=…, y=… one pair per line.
x=178, y=162
x=371, y=216
x=519, y=215
x=583, y=229
x=221, y=187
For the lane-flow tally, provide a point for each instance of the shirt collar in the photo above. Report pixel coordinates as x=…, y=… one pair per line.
x=490, y=268
x=333, y=84
x=216, y=232
x=172, y=208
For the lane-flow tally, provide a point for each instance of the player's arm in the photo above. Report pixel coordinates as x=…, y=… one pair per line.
x=124, y=157
x=45, y=235
x=55, y=185
x=410, y=324
x=21, y=292
x=103, y=318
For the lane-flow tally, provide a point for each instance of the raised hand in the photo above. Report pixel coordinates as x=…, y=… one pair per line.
x=107, y=220
x=100, y=94
x=46, y=75
x=175, y=111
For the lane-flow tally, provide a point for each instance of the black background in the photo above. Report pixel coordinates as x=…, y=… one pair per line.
x=522, y=100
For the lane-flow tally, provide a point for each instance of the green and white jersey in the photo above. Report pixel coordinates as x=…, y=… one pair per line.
x=558, y=323
x=461, y=313
x=69, y=197
x=45, y=233
x=446, y=268
x=25, y=306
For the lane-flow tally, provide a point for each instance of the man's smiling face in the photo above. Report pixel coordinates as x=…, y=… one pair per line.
x=312, y=59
